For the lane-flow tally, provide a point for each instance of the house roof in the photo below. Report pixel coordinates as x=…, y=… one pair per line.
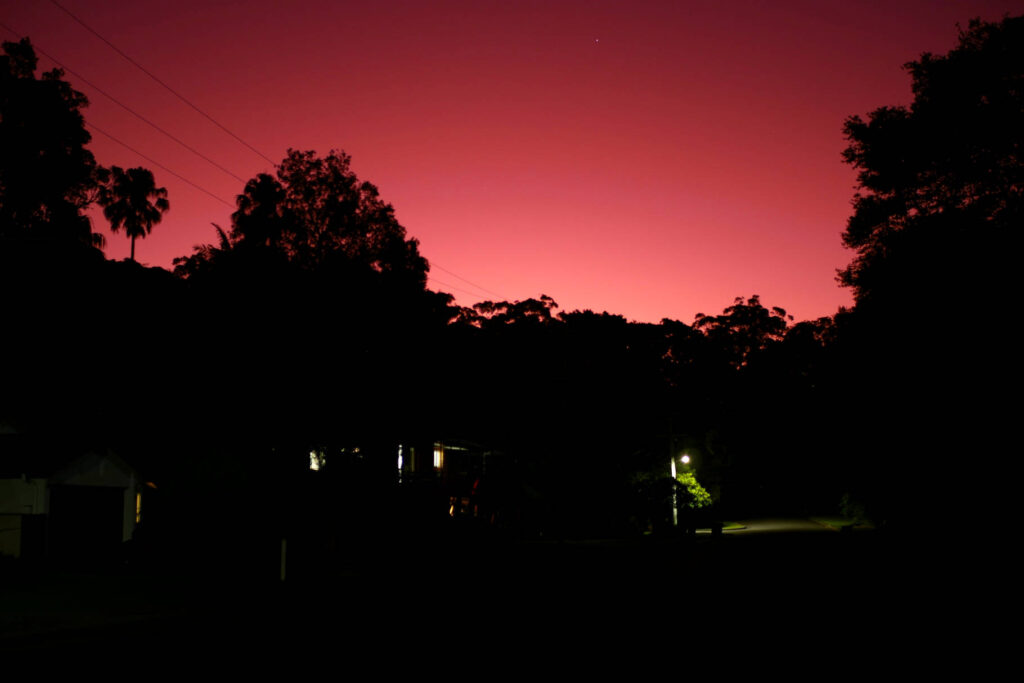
x=41, y=458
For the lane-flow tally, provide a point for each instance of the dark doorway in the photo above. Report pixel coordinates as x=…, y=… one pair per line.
x=86, y=522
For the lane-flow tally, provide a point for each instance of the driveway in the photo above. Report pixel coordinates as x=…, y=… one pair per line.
x=778, y=525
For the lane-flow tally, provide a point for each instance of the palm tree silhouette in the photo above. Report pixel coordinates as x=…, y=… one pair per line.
x=131, y=200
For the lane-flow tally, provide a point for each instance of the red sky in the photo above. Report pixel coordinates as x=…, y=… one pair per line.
x=652, y=159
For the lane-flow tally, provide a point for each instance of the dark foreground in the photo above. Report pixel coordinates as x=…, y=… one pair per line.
x=846, y=590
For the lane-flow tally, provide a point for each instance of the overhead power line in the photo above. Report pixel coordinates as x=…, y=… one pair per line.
x=127, y=108
x=450, y=286
x=489, y=291
x=155, y=78
x=184, y=144
x=157, y=163
x=128, y=146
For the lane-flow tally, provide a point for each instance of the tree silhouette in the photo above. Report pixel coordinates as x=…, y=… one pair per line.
x=47, y=176
x=131, y=200
x=317, y=214
x=744, y=329
x=260, y=220
x=497, y=314
x=936, y=231
x=940, y=181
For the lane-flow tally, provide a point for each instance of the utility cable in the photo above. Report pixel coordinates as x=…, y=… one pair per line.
x=155, y=78
x=157, y=163
x=127, y=108
x=126, y=145
x=489, y=291
x=185, y=145
x=445, y=284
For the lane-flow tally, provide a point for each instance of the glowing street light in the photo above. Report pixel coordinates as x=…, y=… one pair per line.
x=685, y=459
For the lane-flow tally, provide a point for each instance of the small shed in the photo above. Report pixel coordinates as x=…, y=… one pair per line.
x=63, y=500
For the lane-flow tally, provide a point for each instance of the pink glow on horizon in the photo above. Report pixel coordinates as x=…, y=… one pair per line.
x=651, y=159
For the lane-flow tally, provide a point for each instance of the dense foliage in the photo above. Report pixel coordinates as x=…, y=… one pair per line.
x=936, y=229
x=315, y=214
x=47, y=176
x=942, y=181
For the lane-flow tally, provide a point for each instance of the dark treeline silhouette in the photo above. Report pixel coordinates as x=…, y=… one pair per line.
x=308, y=328
x=927, y=357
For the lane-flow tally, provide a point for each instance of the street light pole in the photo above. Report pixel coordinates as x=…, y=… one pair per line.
x=675, y=509
x=685, y=459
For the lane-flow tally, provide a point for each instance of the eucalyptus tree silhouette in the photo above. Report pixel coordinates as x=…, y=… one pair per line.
x=744, y=329
x=131, y=200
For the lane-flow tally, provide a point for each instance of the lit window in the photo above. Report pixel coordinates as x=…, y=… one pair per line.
x=438, y=455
